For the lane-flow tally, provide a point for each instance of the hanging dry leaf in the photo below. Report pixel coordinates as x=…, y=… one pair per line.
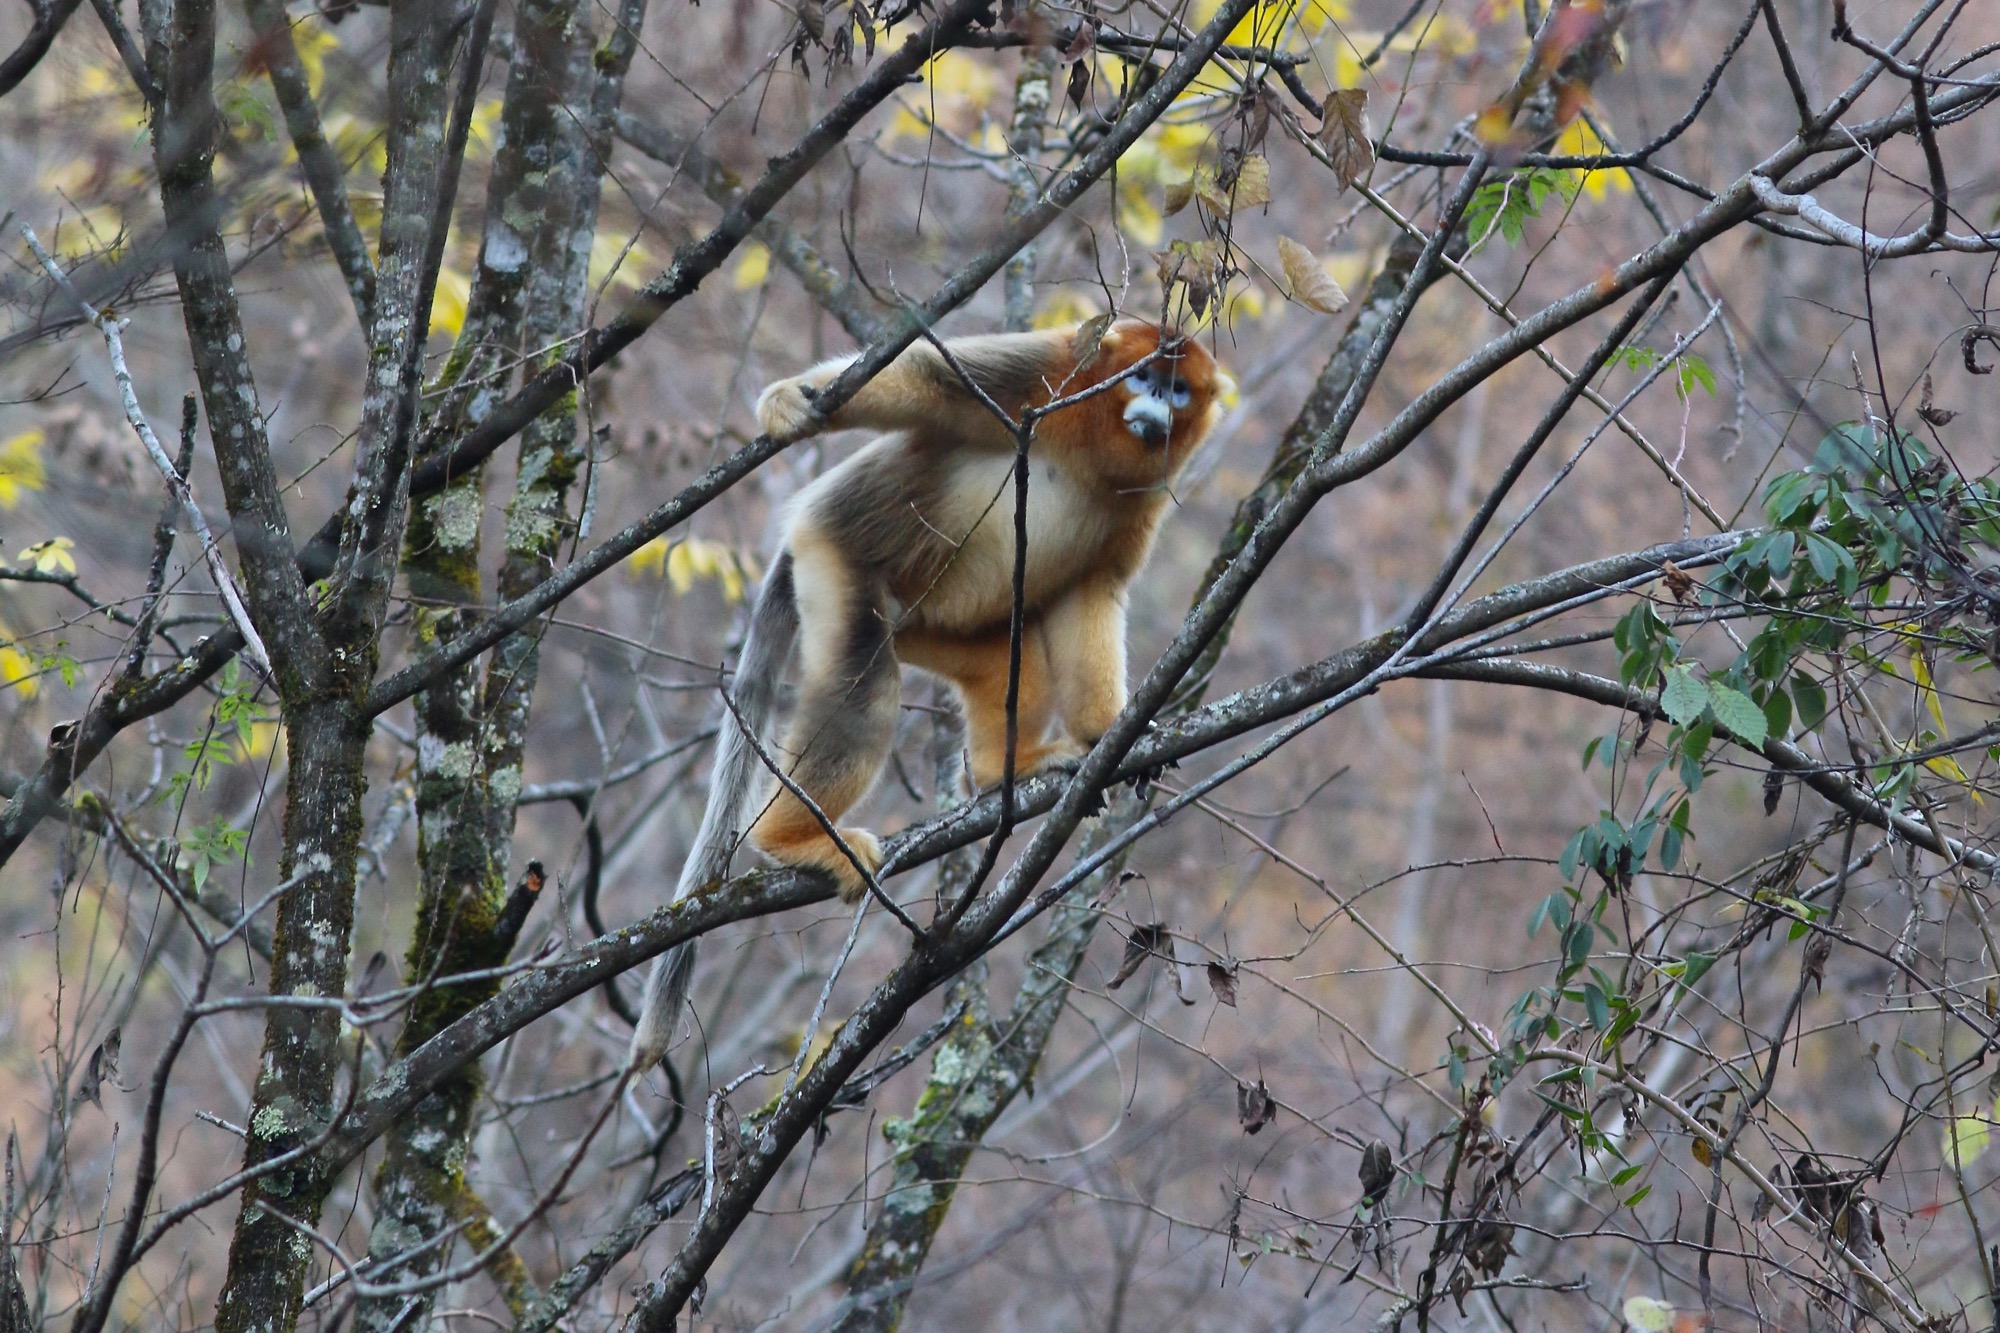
x=1183, y=972
x=1222, y=981
x=1085, y=38
x=1930, y=411
x=1254, y=1107
x=1378, y=1172
x=1311, y=287
x=1139, y=945
x=103, y=1067
x=1111, y=887
x=1179, y=195
x=1343, y=133
x=1079, y=82
x=1679, y=583
x=1253, y=182
x=1089, y=339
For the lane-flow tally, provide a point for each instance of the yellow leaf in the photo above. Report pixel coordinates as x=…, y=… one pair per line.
x=1064, y=309
x=752, y=268
x=1579, y=140
x=650, y=558
x=50, y=556
x=957, y=87
x=1307, y=277
x=313, y=39
x=610, y=249
x=1494, y=126
x=1253, y=182
x=17, y=670
x=1347, y=52
x=448, y=304
x=1965, y=1138
x=1447, y=35
x=21, y=467
x=1137, y=216
x=1920, y=672
x=680, y=569
x=484, y=126
x=1643, y=1314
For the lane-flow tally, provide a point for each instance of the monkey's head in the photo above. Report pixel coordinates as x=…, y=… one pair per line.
x=1169, y=402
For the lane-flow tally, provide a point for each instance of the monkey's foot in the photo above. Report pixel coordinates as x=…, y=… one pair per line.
x=1061, y=757
x=827, y=856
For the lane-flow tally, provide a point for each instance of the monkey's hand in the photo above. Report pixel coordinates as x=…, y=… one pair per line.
x=786, y=408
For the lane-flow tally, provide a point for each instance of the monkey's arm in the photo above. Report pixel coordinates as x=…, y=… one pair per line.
x=921, y=392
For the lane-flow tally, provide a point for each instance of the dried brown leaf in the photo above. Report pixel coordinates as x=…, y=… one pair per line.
x=1343, y=133
x=1254, y=1107
x=1179, y=195
x=1678, y=581
x=1082, y=41
x=1311, y=287
x=1929, y=411
x=1378, y=1172
x=1079, y=82
x=1222, y=982
x=1142, y=943
x=1088, y=341
x=1183, y=972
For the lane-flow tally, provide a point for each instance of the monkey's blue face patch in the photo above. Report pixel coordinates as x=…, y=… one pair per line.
x=1155, y=394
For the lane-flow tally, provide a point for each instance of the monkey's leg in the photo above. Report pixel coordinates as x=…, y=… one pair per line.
x=1086, y=635
x=978, y=667
x=845, y=722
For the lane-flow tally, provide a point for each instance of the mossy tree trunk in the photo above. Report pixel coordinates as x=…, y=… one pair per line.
x=529, y=292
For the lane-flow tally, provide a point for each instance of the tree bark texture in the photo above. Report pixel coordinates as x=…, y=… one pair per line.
x=530, y=293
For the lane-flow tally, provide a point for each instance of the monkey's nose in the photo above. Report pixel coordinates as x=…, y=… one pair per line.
x=1149, y=419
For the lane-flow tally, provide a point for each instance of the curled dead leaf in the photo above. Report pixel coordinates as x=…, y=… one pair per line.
x=1254, y=1107
x=1308, y=279
x=1142, y=943
x=1343, y=134
x=1089, y=339
x=1222, y=982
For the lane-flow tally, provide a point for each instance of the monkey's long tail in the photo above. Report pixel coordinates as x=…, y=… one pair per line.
x=774, y=624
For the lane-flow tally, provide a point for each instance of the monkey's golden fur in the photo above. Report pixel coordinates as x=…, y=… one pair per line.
x=905, y=553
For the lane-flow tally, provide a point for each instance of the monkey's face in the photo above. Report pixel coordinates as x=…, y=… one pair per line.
x=1153, y=394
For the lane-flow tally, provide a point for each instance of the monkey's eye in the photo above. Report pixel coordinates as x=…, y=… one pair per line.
x=1180, y=395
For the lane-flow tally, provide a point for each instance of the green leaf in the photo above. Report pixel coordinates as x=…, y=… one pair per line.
x=1637, y=1195
x=1740, y=713
x=1778, y=713
x=1965, y=1138
x=1811, y=701
x=1597, y=1007
x=1684, y=697
x=1694, y=371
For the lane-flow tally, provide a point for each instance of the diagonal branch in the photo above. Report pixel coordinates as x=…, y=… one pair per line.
x=177, y=486
x=21, y=61
x=317, y=160
x=836, y=293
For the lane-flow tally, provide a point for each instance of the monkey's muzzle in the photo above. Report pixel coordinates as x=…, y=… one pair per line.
x=1149, y=418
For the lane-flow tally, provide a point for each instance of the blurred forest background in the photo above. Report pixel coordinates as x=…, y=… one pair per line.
x=1597, y=950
